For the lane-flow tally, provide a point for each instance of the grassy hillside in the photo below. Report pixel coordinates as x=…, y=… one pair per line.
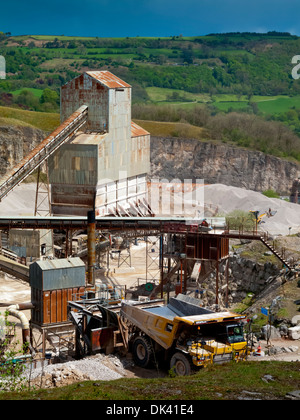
x=42, y=120
x=223, y=382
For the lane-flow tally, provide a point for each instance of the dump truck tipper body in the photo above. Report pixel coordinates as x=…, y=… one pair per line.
x=188, y=335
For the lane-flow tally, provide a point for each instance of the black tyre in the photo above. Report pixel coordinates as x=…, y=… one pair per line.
x=181, y=364
x=142, y=351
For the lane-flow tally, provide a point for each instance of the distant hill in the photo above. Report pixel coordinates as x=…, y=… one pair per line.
x=240, y=63
x=202, y=79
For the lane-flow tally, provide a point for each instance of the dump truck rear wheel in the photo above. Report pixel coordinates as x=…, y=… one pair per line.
x=142, y=351
x=180, y=364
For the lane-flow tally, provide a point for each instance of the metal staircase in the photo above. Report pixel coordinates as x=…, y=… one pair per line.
x=272, y=249
x=42, y=152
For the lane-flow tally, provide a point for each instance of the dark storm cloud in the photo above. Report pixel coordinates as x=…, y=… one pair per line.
x=148, y=17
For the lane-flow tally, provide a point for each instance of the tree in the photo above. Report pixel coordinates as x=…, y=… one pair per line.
x=11, y=372
x=240, y=220
x=50, y=96
x=27, y=100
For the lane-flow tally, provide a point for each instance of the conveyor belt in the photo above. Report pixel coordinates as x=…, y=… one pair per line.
x=14, y=268
x=42, y=152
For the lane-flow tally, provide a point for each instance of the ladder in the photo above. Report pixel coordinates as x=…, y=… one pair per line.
x=42, y=152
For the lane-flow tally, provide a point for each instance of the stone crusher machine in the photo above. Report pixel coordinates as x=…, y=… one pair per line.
x=181, y=333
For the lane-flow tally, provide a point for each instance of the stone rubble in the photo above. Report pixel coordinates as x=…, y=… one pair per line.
x=90, y=368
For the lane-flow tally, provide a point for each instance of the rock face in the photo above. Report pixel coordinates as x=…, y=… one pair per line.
x=244, y=276
x=16, y=143
x=177, y=158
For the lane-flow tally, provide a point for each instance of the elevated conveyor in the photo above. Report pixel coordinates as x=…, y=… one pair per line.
x=42, y=152
x=14, y=268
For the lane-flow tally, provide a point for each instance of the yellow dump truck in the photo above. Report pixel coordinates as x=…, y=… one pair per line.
x=184, y=334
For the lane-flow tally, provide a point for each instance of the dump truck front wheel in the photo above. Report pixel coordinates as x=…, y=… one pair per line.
x=142, y=351
x=180, y=364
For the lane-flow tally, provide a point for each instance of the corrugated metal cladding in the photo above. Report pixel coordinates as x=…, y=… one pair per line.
x=110, y=145
x=72, y=200
x=74, y=164
x=92, y=89
x=51, y=306
x=25, y=239
x=57, y=274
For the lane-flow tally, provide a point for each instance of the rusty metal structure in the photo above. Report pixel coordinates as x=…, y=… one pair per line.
x=91, y=247
x=97, y=159
x=53, y=284
x=105, y=165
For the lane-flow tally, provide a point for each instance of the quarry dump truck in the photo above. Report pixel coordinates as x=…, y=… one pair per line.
x=183, y=334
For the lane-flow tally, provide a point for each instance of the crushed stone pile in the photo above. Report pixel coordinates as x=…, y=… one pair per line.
x=97, y=368
x=223, y=199
x=218, y=199
x=20, y=201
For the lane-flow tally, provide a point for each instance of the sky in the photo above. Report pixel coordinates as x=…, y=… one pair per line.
x=122, y=18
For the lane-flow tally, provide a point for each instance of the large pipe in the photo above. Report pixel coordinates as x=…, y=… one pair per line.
x=91, y=231
x=15, y=310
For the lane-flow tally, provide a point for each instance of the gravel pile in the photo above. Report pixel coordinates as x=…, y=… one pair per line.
x=98, y=367
x=224, y=199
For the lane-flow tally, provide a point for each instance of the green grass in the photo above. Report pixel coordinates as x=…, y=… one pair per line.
x=45, y=121
x=234, y=105
x=157, y=94
x=59, y=63
x=37, y=92
x=224, y=102
x=173, y=129
x=223, y=382
x=279, y=105
x=266, y=104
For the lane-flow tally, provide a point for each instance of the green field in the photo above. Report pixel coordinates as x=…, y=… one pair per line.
x=225, y=102
x=36, y=92
x=157, y=94
x=279, y=105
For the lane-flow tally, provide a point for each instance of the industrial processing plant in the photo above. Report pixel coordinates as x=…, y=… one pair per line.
x=76, y=251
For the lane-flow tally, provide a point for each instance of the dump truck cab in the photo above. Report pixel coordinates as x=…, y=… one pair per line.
x=234, y=333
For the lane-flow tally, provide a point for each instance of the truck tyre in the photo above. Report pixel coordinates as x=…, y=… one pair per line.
x=142, y=351
x=181, y=364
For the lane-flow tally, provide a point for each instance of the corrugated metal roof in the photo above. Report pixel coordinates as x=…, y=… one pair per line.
x=137, y=131
x=108, y=79
x=60, y=263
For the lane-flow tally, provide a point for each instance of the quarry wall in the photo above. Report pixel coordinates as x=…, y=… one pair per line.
x=179, y=158
x=173, y=158
x=16, y=143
